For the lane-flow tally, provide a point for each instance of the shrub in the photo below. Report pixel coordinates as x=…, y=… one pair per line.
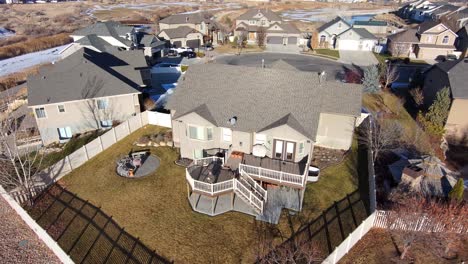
x=371, y=80
x=456, y=194
x=33, y=45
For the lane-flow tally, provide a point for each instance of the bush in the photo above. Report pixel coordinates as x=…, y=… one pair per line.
x=456, y=194
x=34, y=45
x=371, y=80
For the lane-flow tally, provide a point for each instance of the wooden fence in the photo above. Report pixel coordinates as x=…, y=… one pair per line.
x=85, y=232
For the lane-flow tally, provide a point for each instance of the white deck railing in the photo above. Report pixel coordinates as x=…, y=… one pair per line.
x=278, y=176
x=233, y=185
x=256, y=187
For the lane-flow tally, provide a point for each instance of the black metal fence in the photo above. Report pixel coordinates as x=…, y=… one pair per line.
x=86, y=233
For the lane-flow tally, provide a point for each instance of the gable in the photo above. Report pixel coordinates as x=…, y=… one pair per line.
x=195, y=119
x=284, y=132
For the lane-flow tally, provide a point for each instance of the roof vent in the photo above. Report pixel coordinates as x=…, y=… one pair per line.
x=233, y=121
x=43, y=77
x=81, y=74
x=186, y=19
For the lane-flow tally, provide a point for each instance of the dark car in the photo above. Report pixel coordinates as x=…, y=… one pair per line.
x=188, y=54
x=172, y=53
x=209, y=46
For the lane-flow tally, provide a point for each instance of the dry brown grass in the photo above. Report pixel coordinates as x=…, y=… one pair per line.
x=11, y=80
x=33, y=45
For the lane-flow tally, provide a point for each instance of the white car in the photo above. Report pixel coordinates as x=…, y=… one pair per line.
x=166, y=68
x=182, y=49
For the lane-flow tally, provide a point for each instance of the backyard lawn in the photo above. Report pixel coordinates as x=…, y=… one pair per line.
x=156, y=209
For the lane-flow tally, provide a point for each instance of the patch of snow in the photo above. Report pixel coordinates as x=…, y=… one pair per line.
x=19, y=63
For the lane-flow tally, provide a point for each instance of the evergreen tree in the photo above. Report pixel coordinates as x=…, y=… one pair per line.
x=456, y=194
x=438, y=112
x=371, y=80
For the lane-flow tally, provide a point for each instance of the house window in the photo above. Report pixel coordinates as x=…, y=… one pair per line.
x=429, y=38
x=102, y=104
x=61, y=108
x=322, y=39
x=40, y=112
x=64, y=132
x=227, y=134
x=445, y=39
x=200, y=133
x=260, y=139
x=106, y=123
x=301, y=148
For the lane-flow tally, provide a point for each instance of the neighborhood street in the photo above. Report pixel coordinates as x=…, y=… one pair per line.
x=301, y=62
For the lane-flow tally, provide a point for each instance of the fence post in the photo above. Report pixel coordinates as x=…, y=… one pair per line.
x=69, y=162
x=86, y=152
x=128, y=127
x=100, y=143
x=115, y=135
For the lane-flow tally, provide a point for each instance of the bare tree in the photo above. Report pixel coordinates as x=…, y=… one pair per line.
x=380, y=134
x=261, y=36
x=97, y=110
x=417, y=95
x=241, y=39
x=20, y=167
x=388, y=74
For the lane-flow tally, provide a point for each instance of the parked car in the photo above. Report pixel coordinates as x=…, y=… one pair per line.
x=172, y=53
x=188, y=54
x=182, y=49
x=166, y=68
x=209, y=46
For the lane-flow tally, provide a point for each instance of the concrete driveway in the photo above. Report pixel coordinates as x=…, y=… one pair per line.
x=359, y=58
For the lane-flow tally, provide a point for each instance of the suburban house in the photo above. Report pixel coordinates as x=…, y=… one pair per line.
x=428, y=41
x=328, y=32
x=183, y=36
x=86, y=91
x=152, y=46
x=200, y=22
x=462, y=41
x=379, y=28
x=249, y=130
x=264, y=21
x=452, y=74
x=356, y=39
x=114, y=33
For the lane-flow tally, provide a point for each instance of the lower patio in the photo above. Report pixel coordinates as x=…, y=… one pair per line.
x=156, y=209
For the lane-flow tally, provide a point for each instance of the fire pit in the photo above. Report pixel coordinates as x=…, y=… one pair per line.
x=137, y=164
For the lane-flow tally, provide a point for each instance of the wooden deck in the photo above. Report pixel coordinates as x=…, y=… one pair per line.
x=213, y=173
x=277, y=165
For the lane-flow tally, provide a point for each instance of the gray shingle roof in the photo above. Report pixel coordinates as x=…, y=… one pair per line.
x=361, y=32
x=286, y=28
x=251, y=13
x=95, y=41
x=457, y=75
x=426, y=25
x=108, y=29
x=262, y=97
x=179, y=32
x=87, y=74
x=406, y=36
x=195, y=18
x=332, y=22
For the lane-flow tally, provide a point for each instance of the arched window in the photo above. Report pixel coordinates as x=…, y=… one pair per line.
x=445, y=39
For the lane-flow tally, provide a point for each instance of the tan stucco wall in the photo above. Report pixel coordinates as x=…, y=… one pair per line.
x=287, y=133
x=335, y=131
x=79, y=117
x=190, y=36
x=457, y=122
x=432, y=53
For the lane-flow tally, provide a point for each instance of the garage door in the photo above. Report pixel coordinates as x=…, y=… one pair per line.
x=177, y=44
x=275, y=40
x=292, y=41
x=193, y=43
x=348, y=44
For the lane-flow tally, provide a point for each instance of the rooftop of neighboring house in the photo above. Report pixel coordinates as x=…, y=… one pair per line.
x=428, y=173
x=106, y=29
x=87, y=74
x=149, y=40
x=458, y=77
x=20, y=244
x=184, y=18
x=179, y=32
x=426, y=25
x=361, y=32
x=370, y=23
x=285, y=28
x=405, y=36
x=445, y=8
x=261, y=98
x=331, y=23
x=252, y=14
x=95, y=41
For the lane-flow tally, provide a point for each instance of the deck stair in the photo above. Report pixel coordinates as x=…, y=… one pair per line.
x=250, y=191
